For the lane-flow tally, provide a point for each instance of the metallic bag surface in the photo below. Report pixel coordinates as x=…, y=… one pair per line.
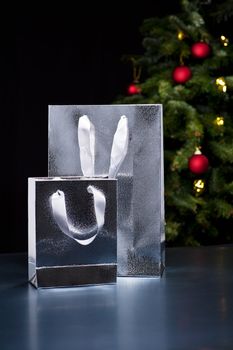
x=72, y=231
x=140, y=242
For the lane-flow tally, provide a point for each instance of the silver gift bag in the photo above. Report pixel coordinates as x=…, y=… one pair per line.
x=72, y=231
x=141, y=238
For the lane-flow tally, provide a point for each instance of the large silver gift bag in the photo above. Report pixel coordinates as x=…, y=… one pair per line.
x=72, y=231
x=140, y=250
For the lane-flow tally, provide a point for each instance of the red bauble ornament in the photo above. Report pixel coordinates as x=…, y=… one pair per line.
x=200, y=50
x=198, y=163
x=133, y=89
x=181, y=74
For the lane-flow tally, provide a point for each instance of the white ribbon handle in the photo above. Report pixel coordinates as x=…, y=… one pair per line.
x=82, y=236
x=86, y=140
x=119, y=146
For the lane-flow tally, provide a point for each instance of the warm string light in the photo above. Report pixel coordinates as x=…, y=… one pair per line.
x=180, y=35
x=221, y=84
x=199, y=186
x=219, y=120
x=224, y=40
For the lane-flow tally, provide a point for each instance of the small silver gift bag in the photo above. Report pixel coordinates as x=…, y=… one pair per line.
x=73, y=221
x=140, y=242
x=72, y=231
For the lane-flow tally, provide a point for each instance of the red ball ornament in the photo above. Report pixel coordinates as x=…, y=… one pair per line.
x=181, y=74
x=200, y=50
x=198, y=163
x=133, y=89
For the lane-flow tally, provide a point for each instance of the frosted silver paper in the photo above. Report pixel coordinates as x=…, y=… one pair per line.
x=140, y=179
x=57, y=259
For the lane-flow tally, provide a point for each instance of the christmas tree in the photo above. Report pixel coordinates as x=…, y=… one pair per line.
x=189, y=71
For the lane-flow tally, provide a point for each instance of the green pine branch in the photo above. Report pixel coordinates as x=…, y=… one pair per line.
x=190, y=120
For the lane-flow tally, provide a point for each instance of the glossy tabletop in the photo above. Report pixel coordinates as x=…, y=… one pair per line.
x=190, y=307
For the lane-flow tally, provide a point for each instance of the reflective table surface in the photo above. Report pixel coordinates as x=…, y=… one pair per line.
x=190, y=307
